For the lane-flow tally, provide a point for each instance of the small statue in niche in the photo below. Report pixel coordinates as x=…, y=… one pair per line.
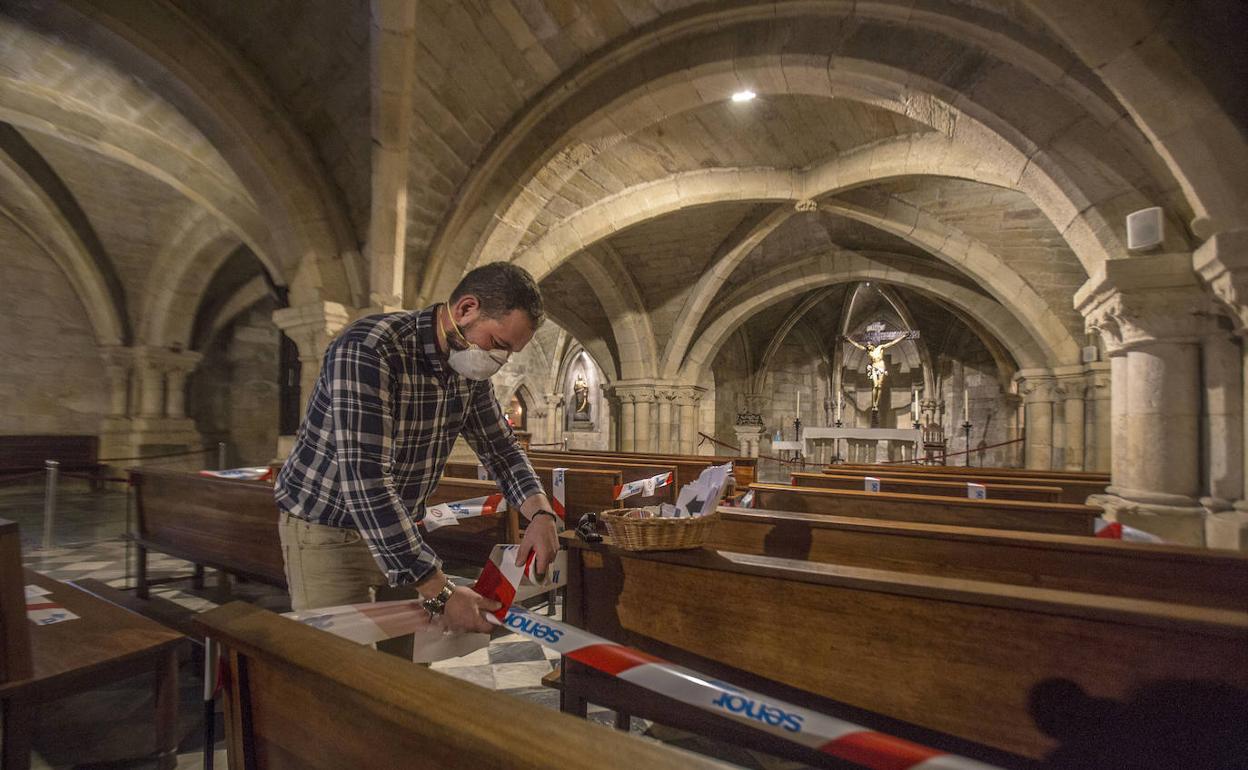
x=580, y=400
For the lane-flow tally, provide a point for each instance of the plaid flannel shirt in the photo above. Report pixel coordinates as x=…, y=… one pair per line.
x=380, y=425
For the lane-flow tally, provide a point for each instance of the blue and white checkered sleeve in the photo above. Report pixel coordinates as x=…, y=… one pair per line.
x=363, y=437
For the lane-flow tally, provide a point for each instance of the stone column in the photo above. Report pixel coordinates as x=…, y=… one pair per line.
x=1120, y=451
x=628, y=433
x=1037, y=389
x=1014, y=452
x=1222, y=264
x=178, y=367
x=118, y=363
x=1222, y=421
x=1151, y=311
x=687, y=399
x=664, y=443
x=748, y=439
x=644, y=438
x=312, y=327
x=554, y=426
x=151, y=387
x=1071, y=392
x=1098, y=444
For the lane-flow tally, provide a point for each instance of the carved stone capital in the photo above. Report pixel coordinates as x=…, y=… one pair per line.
x=312, y=326
x=1136, y=301
x=1222, y=264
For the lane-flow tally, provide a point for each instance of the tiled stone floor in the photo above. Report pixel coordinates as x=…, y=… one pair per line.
x=104, y=729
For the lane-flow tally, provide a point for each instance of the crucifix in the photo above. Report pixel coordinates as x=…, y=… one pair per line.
x=875, y=341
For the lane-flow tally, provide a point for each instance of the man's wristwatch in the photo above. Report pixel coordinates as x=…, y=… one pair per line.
x=436, y=605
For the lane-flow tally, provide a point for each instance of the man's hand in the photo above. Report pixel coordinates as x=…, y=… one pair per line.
x=542, y=538
x=463, y=611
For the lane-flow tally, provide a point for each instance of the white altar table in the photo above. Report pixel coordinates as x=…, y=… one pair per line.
x=912, y=436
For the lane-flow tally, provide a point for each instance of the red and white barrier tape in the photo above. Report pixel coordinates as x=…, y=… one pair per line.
x=645, y=487
x=1113, y=530
x=503, y=581
x=260, y=473
x=449, y=514
x=559, y=492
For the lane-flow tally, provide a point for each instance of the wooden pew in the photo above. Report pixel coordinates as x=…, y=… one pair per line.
x=1056, y=518
x=987, y=471
x=950, y=663
x=1179, y=574
x=226, y=524
x=301, y=698
x=588, y=490
x=1074, y=491
x=103, y=645
x=629, y=471
x=994, y=491
x=231, y=525
x=744, y=469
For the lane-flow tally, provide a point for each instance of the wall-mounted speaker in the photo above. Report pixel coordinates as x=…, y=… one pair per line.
x=1090, y=354
x=1145, y=229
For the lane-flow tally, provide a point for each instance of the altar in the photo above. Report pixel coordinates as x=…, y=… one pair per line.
x=862, y=439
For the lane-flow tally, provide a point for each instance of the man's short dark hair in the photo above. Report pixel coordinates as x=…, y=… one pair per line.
x=502, y=287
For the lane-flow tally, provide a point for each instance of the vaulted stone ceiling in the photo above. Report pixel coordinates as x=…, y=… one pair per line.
x=957, y=141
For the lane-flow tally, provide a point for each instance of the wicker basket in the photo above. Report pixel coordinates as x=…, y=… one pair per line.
x=657, y=534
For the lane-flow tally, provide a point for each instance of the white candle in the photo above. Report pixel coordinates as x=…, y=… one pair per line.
x=966, y=406
x=799, y=404
x=838, y=410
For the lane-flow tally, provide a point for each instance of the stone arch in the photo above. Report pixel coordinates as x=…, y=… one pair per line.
x=65, y=235
x=630, y=323
x=593, y=124
x=229, y=103
x=842, y=267
x=180, y=275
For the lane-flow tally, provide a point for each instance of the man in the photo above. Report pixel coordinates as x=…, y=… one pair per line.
x=394, y=393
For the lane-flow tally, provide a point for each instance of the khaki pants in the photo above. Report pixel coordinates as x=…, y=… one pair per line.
x=328, y=566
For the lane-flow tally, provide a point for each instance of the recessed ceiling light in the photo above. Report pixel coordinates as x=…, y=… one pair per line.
x=743, y=96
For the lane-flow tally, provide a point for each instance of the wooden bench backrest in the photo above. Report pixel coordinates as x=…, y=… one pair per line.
x=1057, y=518
x=939, y=488
x=629, y=471
x=224, y=523
x=744, y=469
x=1074, y=491
x=1178, y=574
x=301, y=698
x=961, y=657
x=15, y=660
x=980, y=470
x=28, y=453
x=588, y=489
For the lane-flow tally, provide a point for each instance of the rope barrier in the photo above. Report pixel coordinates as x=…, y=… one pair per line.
x=20, y=476
x=93, y=477
x=186, y=453
x=552, y=443
x=947, y=455
x=737, y=449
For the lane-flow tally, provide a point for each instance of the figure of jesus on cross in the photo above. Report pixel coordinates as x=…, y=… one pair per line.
x=875, y=341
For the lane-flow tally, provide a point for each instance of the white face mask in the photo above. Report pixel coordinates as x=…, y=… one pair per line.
x=474, y=362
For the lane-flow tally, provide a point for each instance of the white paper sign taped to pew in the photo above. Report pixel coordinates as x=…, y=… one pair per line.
x=870, y=484
x=976, y=491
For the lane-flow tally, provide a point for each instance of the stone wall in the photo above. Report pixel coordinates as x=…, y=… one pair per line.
x=234, y=392
x=51, y=380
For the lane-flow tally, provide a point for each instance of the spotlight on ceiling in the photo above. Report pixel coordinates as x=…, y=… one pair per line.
x=743, y=96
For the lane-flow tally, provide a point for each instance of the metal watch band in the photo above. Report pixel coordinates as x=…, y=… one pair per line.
x=436, y=604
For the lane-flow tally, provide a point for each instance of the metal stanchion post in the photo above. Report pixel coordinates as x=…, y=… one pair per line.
x=210, y=692
x=49, y=501
x=220, y=455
